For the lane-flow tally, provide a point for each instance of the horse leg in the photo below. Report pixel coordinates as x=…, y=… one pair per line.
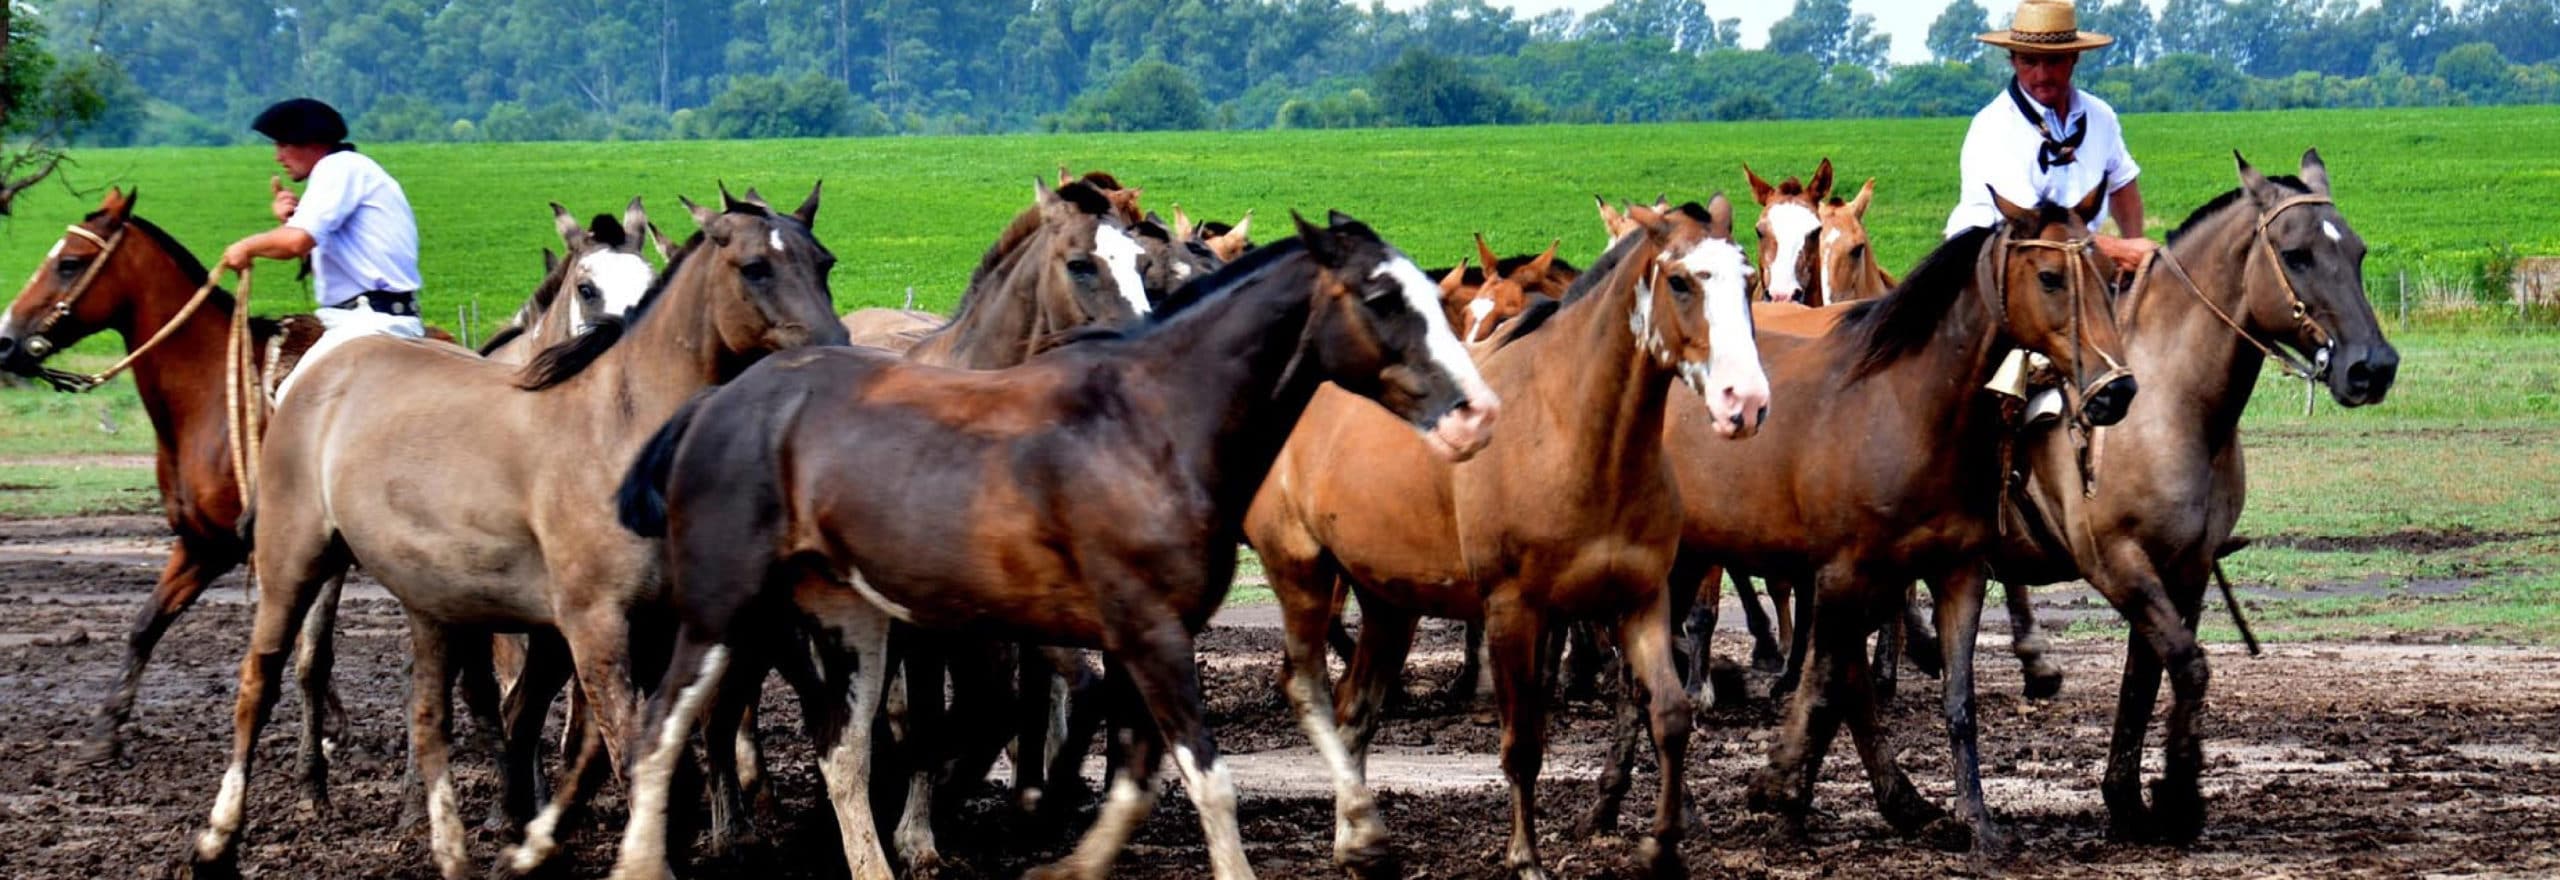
x=923, y=668
x=1156, y=652
x=193, y=563
x=471, y=665
x=1785, y=786
x=1920, y=638
x=1073, y=715
x=1644, y=644
x=982, y=692
x=1767, y=654
x=315, y=653
x=694, y=674
x=1136, y=749
x=1619, y=771
x=430, y=741
x=597, y=637
x=1885, y=664
x=2177, y=803
x=1695, y=588
x=1896, y=798
x=1304, y=582
x=729, y=749
x=1959, y=596
x=543, y=668
x=1586, y=661
x=2161, y=641
x=1461, y=689
x=2027, y=643
x=1513, y=633
x=297, y=562
x=1794, y=604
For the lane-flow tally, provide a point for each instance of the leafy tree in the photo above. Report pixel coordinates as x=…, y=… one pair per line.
x=45, y=103
x=1150, y=96
x=404, y=118
x=2136, y=33
x=1425, y=88
x=1682, y=23
x=1827, y=31
x=771, y=107
x=1951, y=36
x=2476, y=70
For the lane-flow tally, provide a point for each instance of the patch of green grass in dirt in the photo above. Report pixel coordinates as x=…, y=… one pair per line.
x=28, y=492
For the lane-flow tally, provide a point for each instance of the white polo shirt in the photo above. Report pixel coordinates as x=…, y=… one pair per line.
x=359, y=220
x=2001, y=150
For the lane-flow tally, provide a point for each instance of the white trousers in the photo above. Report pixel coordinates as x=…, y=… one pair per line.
x=340, y=325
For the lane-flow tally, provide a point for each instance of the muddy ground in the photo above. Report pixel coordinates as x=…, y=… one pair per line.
x=2326, y=760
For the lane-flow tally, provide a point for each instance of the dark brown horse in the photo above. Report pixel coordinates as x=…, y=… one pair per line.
x=2266, y=267
x=132, y=279
x=1090, y=497
x=495, y=514
x=1577, y=520
x=1892, y=475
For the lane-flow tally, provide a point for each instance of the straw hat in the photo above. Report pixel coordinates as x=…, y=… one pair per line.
x=2046, y=27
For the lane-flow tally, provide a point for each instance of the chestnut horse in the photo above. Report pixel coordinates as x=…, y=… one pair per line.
x=1580, y=522
x=1091, y=497
x=496, y=515
x=2271, y=265
x=115, y=271
x=1903, y=484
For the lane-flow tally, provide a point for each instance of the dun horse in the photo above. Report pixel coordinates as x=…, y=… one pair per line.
x=495, y=514
x=1892, y=476
x=1355, y=500
x=1091, y=497
x=2271, y=265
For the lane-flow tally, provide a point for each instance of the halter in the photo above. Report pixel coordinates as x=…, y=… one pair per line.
x=2076, y=251
x=38, y=346
x=2286, y=361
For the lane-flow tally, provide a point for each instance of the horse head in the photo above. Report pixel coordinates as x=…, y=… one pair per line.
x=2052, y=299
x=1848, y=265
x=1167, y=261
x=1086, y=268
x=763, y=276
x=1693, y=311
x=1224, y=241
x=1377, y=331
x=54, y=310
x=1790, y=222
x=2306, y=283
x=604, y=272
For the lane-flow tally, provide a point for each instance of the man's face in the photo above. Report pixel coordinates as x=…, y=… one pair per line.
x=2045, y=76
x=297, y=159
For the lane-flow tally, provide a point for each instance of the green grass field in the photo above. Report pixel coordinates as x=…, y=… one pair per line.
x=2470, y=439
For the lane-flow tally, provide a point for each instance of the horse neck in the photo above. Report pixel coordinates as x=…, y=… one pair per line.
x=673, y=351
x=2187, y=356
x=1232, y=376
x=180, y=380
x=1590, y=379
x=1936, y=389
x=993, y=326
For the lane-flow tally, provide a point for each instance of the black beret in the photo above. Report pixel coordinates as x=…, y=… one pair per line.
x=301, y=121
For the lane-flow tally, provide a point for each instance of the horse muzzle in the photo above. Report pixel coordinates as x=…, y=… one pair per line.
x=2365, y=377
x=1457, y=435
x=2108, y=404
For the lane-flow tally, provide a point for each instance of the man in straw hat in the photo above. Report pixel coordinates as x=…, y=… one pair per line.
x=2042, y=139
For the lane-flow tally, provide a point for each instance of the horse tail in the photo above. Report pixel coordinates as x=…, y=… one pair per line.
x=642, y=500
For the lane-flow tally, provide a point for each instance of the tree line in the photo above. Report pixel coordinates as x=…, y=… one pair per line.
x=194, y=71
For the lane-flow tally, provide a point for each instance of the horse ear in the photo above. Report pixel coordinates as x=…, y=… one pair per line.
x=635, y=225
x=658, y=242
x=729, y=202
x=2017, y=216
x=2090, y=204
x=118, y=203
x=1609, y=217
x=1536, y=270
x=571, y=233
x=1041, y=194
x=1455, y=280
x=1334, y=217
x=1820, y=188
x=1181, y=224
x=2315, y=173
x=550, y=262
x=807, y=213
x=1866, y=194
x=1485, y=252
x=1720, y=217
x=1065, y=177
x=1237, y=239
x=1760, y=189
x=1645, y=216
x=1320, y=241
x=702, y=216
x=2261, y=191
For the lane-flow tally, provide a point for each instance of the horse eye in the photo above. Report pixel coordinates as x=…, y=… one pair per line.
x=70, y=266
x=588, y=289
x=756, y=270
x=2052, y=281
x=1080, y=266
x=2298, y=258
x=1857, y=250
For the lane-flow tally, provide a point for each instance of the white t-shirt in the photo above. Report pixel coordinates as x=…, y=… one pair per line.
x=359, y=220
x=2001, y=150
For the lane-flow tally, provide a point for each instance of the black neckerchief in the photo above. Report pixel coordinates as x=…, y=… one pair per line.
x=2056, y=150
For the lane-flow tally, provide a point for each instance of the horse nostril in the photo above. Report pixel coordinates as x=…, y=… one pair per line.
x=8, y=347
x=1763, y=420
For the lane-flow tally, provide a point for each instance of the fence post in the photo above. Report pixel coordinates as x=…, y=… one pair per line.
x=2404, y=299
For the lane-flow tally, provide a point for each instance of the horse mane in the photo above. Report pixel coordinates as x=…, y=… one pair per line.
x=1890, y=327
x=575, y=354
x=539, y=302
x=1541, y=307
x=1226, y=278
x=2196, y=220
x=188, y=265
x=1601, y=268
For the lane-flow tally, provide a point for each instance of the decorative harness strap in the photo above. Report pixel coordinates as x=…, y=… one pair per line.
x=2291, y=364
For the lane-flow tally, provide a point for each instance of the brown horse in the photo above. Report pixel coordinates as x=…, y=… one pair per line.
x=1090, y=497
x=1071, y=256
x=1354, y=499
x=1225, y=241
x=494, y=514
x=2271, y=265
x=1911, y=495
x=114, y=271
x=603, y=276
x=1790, y=230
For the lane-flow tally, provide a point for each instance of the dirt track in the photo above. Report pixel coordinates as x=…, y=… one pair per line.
x=2325, y=760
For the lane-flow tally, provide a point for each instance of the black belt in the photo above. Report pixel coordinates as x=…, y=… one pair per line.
x=395, y=304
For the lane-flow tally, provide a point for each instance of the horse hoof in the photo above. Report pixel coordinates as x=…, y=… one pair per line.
x=1947, y=834
x=1376, y=861
x=2177, y=813
x=1768, y=662
x=1601, y=818
x=515, y=863
x=314, y=806
x=1769, y=795
x=195, y=866
x=925, y=866
x=1725, y=685
x=1658, y=861
x=102, y=750
x=1911, y=814
x=2044, y=686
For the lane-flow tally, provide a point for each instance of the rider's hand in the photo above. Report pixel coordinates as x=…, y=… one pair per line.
x=237, y=256
x=283, y=201
x=2126, y=253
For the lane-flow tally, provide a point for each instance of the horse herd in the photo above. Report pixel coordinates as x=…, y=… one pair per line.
x=658, y=486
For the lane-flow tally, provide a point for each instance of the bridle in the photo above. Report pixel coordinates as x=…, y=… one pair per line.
x=39, y=345
x=2291, y=364
x=2076, y=252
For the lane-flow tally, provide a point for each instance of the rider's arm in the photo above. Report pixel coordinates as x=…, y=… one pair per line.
x=2125, y=205
x=280, y=243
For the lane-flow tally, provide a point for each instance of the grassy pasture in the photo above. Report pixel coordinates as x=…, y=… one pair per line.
x=2469, y=441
